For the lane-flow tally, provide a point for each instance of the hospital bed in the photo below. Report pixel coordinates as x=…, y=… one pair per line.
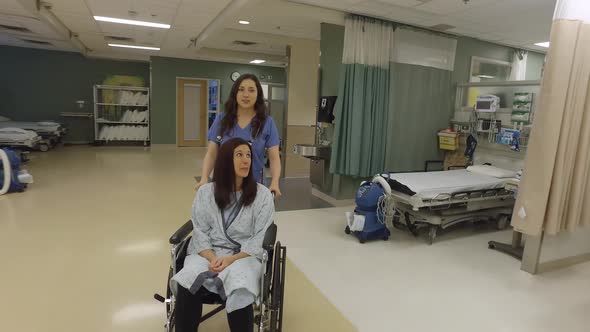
x=438, y=200
x=51, y=132
x=21, y=139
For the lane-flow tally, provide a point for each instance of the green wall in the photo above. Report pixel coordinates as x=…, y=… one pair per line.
x=164, y=74
x=39, y=84
x=469, y=47
x=331, y=47
x=534, y=66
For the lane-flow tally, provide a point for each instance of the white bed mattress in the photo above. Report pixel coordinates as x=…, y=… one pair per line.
x=41, y=126
x=428, y=185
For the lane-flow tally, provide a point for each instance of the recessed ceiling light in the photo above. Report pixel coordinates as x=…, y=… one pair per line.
x=486, y=76
x=244, y=22
x=137, y=47
x=544, y=44
x=258, y=61
x=131, y=22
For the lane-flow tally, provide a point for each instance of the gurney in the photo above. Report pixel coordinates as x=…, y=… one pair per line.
x=51, y=132
x=21, y=139
x=439, y=200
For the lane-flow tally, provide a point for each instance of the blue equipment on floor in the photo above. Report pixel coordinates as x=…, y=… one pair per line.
x=368, y=221
x=10, y=171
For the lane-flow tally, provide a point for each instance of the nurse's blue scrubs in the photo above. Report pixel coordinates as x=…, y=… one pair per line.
x=268, y=137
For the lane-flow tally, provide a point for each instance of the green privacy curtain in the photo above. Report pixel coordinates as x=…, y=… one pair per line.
x=420, y=107
x=361, y=111
x=420, y=98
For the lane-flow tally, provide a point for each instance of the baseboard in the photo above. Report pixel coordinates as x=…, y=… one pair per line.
x=332, y=200
x=563, y=263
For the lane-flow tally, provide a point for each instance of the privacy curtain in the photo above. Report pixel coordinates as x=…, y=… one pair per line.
x=519, y=63
x=555, y=192
x=420, y=98
x=363, y=98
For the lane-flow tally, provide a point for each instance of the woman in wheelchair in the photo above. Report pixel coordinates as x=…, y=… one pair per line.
x=230, y=217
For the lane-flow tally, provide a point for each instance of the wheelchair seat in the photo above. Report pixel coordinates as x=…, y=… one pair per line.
x=269, y=316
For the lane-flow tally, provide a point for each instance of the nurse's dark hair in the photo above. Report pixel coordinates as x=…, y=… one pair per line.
x=230, y=117
x=224, y=175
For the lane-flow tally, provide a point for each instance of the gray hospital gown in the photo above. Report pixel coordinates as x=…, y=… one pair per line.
x=239, y=282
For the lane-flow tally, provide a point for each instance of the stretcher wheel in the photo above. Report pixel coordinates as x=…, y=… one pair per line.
x=347, y=230
x=43, y=147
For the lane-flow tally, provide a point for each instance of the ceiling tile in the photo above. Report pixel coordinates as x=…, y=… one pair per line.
x=151, y=11
x=402, y=3
x=13, y=7
x=444, y=7
x=376, y=8
x=334, y=4
x=78, y=7
x=77, y=22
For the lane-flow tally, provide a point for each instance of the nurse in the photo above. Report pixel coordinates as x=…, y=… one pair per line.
x=245, y=117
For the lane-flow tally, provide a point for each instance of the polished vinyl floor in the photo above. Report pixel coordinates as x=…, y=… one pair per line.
x=85, y=247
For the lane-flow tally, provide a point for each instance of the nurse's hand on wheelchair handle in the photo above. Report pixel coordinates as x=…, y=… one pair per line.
x=199, y=184
x=274, y=188
x=275, y=191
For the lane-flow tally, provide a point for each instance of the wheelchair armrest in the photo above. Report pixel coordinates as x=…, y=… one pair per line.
x=270, y=237
x=182, y=232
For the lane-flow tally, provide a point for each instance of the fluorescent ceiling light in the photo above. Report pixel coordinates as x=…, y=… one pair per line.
x=138, y=47
x=132, y=22
x=244, y=22
x=544, y=44
x=258, y=61
x=486, y=76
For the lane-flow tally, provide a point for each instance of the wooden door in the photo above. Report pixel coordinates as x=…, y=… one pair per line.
x=191, y=108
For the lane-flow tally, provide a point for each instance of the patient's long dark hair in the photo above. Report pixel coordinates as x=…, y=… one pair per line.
x=224, y=176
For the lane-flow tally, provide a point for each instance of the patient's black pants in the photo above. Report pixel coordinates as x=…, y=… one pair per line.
x=189, y=309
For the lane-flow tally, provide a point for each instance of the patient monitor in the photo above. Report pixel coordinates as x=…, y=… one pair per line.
x=487, y=103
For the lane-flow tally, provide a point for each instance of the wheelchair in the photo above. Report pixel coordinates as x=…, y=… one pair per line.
x=268, y=313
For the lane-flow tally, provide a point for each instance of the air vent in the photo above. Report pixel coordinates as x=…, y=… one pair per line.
x=14, y=28
x=442, y=27
x=244, y=43
x=119, y=38
x=37, y=42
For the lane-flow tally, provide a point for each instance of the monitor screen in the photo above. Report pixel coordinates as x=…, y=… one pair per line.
x=483, y=105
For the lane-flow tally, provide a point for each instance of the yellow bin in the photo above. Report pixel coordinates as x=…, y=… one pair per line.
x=448, y=140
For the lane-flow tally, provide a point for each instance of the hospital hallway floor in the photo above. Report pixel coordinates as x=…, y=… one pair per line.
x=85, y=248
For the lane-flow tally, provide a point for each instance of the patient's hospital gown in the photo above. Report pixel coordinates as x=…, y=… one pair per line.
x=238, y=283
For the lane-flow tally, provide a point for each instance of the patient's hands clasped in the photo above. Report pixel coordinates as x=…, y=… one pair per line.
x=220, y=263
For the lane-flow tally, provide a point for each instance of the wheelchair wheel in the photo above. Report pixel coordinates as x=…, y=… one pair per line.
x=168, y=292
x=169, y=306
x=277, y=288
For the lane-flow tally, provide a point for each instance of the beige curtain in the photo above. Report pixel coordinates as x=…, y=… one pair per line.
x=555, y=192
